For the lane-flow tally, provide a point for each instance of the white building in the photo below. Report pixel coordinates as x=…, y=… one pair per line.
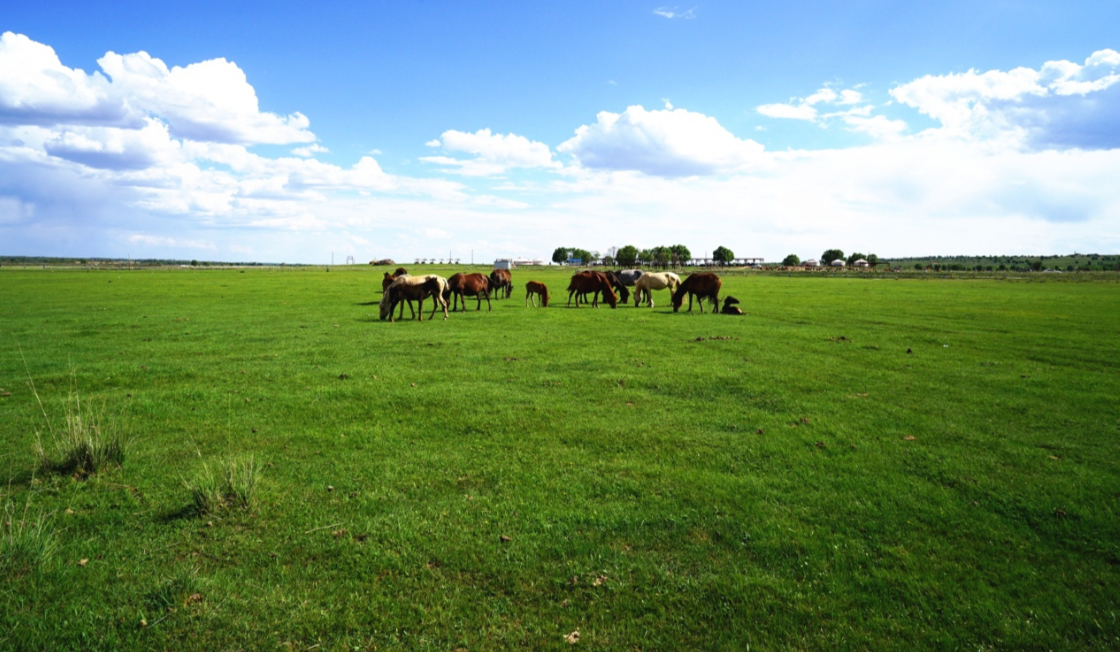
x=860, y=263
x=812, y=262
x=837, y=263
x=504, y=263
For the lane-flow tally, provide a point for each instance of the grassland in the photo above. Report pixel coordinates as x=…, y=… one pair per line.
x=791, y=479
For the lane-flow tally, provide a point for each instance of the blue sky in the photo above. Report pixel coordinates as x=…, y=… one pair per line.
x=771, y=128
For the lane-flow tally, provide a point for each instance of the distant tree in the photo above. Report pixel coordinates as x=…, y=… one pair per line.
x=662, y=256
x=1002, y=267
x=682, y=253
x=831, y=255
x=627, y=256
x=608, y=260
x=723, y=255
x=194, y=263
x=582, y=254
x=1036, y=265
x=560, y=255
x=856, y=256
x=645, y=256
x=791, y=261
x=873, y=259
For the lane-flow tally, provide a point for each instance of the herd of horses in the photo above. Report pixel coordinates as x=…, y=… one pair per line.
x=400, y=288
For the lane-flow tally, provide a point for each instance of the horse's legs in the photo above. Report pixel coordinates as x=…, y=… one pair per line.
x=489, y=308
x=570, y=293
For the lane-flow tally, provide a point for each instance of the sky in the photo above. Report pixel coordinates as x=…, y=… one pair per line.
x=294, y=132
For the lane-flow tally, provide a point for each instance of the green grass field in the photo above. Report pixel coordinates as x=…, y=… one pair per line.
x=791, y=479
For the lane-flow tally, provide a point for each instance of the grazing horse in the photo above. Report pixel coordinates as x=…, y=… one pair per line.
x=462, y=286
x=414, y=288
x=592, y=283
x=629, y=276
x=533, y=289
x=400, y=272
x=729, y=307
x=702, y=286
x=501, y=279
x=618, y=284
x=646, y=283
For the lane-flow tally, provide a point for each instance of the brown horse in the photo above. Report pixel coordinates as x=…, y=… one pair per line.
x=702, y=286
x=414, y=288
x=592, y=283
x=461, y=286
x=616, y=283
x=533, y=290
x=501, y=279
x=389, y=278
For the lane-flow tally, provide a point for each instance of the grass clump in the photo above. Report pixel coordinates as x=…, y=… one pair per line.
x=225, y=485
x=25, y=542
x=88, y=444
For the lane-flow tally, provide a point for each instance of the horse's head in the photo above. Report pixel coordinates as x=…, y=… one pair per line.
x=678, y=298
x=610, y=296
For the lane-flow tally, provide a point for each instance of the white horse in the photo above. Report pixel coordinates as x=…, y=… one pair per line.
x=407, y=288
x=646, y=283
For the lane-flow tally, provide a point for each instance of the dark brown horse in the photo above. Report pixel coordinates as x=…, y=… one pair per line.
x=501, y=279
x=461, y=286
x=389, y=278
x=616, y=283
x=702, y=286
x=533, y=290
x=729, y=307
x=592, y=283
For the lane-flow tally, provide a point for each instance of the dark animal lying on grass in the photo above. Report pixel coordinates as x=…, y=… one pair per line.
x=461, y=286
x=533, y=289
x=702, y=286
x=729, y=307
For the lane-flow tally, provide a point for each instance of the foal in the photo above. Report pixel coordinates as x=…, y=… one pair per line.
x=533, y=289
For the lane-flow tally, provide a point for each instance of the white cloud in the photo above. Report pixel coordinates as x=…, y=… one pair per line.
x=854, y=113
x=494, y=153
x=667, y=143
x=313, y=149
x=672, y=12
x=211, y=100
x=1060, y=105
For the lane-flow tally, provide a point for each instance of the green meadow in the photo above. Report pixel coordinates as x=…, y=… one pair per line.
x=857, y=463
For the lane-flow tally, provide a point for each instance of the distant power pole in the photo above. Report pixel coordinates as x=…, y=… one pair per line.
x=332, y=258
x=472, y=256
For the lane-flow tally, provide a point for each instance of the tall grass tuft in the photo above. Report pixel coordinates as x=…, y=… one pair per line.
x=25, y=542
x=89, y=443
x=226, y=484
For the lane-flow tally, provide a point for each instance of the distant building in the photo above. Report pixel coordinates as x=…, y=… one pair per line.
x=860, y=263
x=518, y=262
x=812, y=262
x=837, y=263
x=504, y=263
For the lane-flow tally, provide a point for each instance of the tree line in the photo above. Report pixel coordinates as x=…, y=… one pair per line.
x=629, y=255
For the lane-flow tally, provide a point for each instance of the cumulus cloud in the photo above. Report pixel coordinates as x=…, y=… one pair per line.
x=1060, y=105
x=846, y=107
x=666, y=143
x=211, y=100
x=494, y=153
